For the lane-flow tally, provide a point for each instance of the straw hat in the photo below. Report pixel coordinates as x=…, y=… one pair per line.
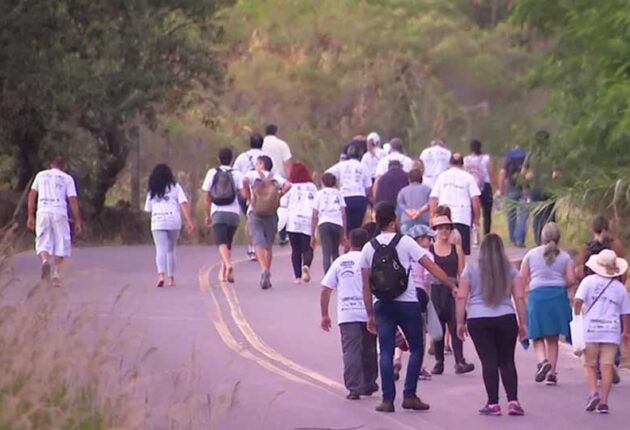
x=440, y=221
x=607, y=264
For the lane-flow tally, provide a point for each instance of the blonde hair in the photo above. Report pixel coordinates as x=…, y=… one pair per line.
x=550, y=238
x=495, y=270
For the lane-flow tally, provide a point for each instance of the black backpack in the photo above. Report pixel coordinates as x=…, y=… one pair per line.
x=223, y=188
x=388, y=278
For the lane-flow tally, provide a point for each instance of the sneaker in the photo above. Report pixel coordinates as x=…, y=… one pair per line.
x=230, y=274
x=515, y=409
x=552, y=379
x=592, y=402
x=425, y=375
x=461, y=368
x=265, y=280
x=602, y=408
x=306, y=274
x=616, y=378
x=543, y=369
x=371, y=390
x=414, y=403
x=283, y=242
x=385, y=406
x=353, y=395
x=438, y=369
x=55, y=280
x=490, y=410
x=46, y=270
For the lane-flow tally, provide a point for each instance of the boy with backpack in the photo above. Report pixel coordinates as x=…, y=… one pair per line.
x=263, y=190
x=386, y=262
x=222, y=209
x=358, y=345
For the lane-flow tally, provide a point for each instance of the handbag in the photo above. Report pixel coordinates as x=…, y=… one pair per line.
x=577, y=326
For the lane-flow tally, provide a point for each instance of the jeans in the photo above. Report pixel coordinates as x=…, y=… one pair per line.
x=360, y=363
x=330, y=237
x=517, y=215
x=165, y=242
x=487, y=201
x=464, y=232
x=301, y=252
x=389, y=315
x=356, y=206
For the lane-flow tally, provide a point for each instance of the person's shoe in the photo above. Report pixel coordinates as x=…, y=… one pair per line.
x=283, y=242
x=397, y=369
x=431, y=350
x=371, y=390
x=448, y=350
x=552, y=379
x=543, y=369
x=602, y=408
x=424, y=375
x=592, y=402
x=306, y=274
x=55, y=280
x=353, y=395
x=438, y=369
x=385, y=406
x=230, y=274
x=490, y=410
x=515, y=409
x=251, y=254
x=616, y=378
x=265, y=281
x=461, y=368
x=160, y=283
x=46, y=270
x=415, y=404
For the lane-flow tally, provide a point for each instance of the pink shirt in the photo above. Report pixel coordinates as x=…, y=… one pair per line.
x=420, y=276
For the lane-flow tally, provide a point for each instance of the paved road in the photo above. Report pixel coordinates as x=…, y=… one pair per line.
x=262, y=360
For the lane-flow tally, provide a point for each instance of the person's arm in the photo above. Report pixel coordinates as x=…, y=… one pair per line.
x=525, y=274
x=314, y=222
x=344, y=221
x=569, y=275
x=437, y=272
x=285, y=188
x=287, y=159
x=476, y=205
x=501, y=182
x=246, y=191
x=577, y=306
x=76, y=214
x=460, y=307
x=324, y=301
x=492, y=173
x=518, y=294
x=207, y=204
x=367, y=300
x=626, y=329
x=461, y=260
x=433, y=204
x=617, y=246
x=580, y=260
x=32, y=198
x=375, y=188
x=190, y=226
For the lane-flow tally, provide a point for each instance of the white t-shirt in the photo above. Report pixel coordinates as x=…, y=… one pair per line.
x=370, y=161
x=238, y=181
x=352, y=178
x=53, y=187
x=455, y=188
x=330, y=204
x=246, y=161
x=409, y=252
x=279, y=152
x=166, y=211
x=602, y=323
x=436, y=159
x=344, y=275
x=300, y=201
x=383, y=165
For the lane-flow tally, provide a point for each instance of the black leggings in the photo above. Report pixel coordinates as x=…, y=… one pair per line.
x=495, y=341
x=487, y=200
x=444, y=302
x=330, y=237
x=301, y=252
x=356, y=206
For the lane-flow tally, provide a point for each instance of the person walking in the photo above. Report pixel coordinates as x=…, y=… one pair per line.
x=450, y=258
x=602, y=239
x=278, y=150
x=373, y=155
x=395, y=154
x=354, y=185
x=485, y=293
x=244, y=163
x=413, y=202
x=360, y=366
x=329, y=219
x=436, y=160
x=221, y=188
x=263, y=190
x=50, y=193
x=549, y=272
x=387, y=186
x=605, y=302
x=458, y=190
x=480, y=165
x=391, y=301
x=511, y=184
x=167, y=202
x=300, y=199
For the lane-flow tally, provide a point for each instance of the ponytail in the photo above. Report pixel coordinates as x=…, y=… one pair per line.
x=551, y=252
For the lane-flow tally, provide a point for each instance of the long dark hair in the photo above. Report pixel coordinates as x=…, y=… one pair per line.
x=495, y=270
x=161, y=180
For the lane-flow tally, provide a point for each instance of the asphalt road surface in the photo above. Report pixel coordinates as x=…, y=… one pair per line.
x=262, y=361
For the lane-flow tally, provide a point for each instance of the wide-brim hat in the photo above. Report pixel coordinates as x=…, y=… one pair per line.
x=420, y=230
x=439, y=221
x=607, y=264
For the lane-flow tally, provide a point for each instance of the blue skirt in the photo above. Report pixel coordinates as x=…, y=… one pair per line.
x=548, y=312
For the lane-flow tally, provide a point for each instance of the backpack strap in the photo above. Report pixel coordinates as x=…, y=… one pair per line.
x=394, y=242
x=375, y=244
x=599, y=296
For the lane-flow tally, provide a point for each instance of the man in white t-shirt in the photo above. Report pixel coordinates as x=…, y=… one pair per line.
x=52, y=189
x=222, y=209
x=436, y=159
x=384, y=316
x=360, y=367
x=373, y=155
x=278, y=150
x=395, y=154
x=458, y=190
x=605, y=301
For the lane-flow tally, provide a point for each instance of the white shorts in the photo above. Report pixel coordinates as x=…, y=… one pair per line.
x=53, y=235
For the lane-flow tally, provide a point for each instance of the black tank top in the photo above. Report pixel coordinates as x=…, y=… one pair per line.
x=449, y=263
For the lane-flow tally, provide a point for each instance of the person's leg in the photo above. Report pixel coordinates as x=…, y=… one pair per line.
x=456, y=342
x=507, y=331
x=160, y=239
x=552, y=345
x=351, y=345
x=336, y=233
x=307, y=250
x=173, y=235
x=511, y=204
x=482, y=333
x=486, y=206
x=464, y=231
x=370, y=360
x=386, y=328
x=540, y=349
x=410, y=322
x=325, y=238
x=439, y=300
x=522, y=214
x=608, y=351
x=270, y=227
x=355, y=212
x=296, y=254
x=219, y=229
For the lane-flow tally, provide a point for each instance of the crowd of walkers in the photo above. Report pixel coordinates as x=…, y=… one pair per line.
x=396, y=235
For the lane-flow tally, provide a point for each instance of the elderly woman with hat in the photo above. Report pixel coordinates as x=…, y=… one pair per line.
x=549, y=272
x=604, y=300
x=451, y=259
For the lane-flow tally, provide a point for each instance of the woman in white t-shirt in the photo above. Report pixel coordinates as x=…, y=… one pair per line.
x=300, y=199
x=329, y=218
x=166, y=201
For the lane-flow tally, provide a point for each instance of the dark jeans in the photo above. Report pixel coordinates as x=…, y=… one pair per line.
x=330, y=237
x=541, y=216
x=355, y=212
x=517, y=217
x=390, y=315
x=360, y=366
x=487, y=200
x=301, y=252
x=464, y=231
x=495, y=341
x=444, y=303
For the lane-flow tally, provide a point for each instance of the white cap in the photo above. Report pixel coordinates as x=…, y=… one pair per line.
x=387, y=148
x=374, y=137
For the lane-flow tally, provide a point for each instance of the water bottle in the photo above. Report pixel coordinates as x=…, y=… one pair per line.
x=475, y=234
